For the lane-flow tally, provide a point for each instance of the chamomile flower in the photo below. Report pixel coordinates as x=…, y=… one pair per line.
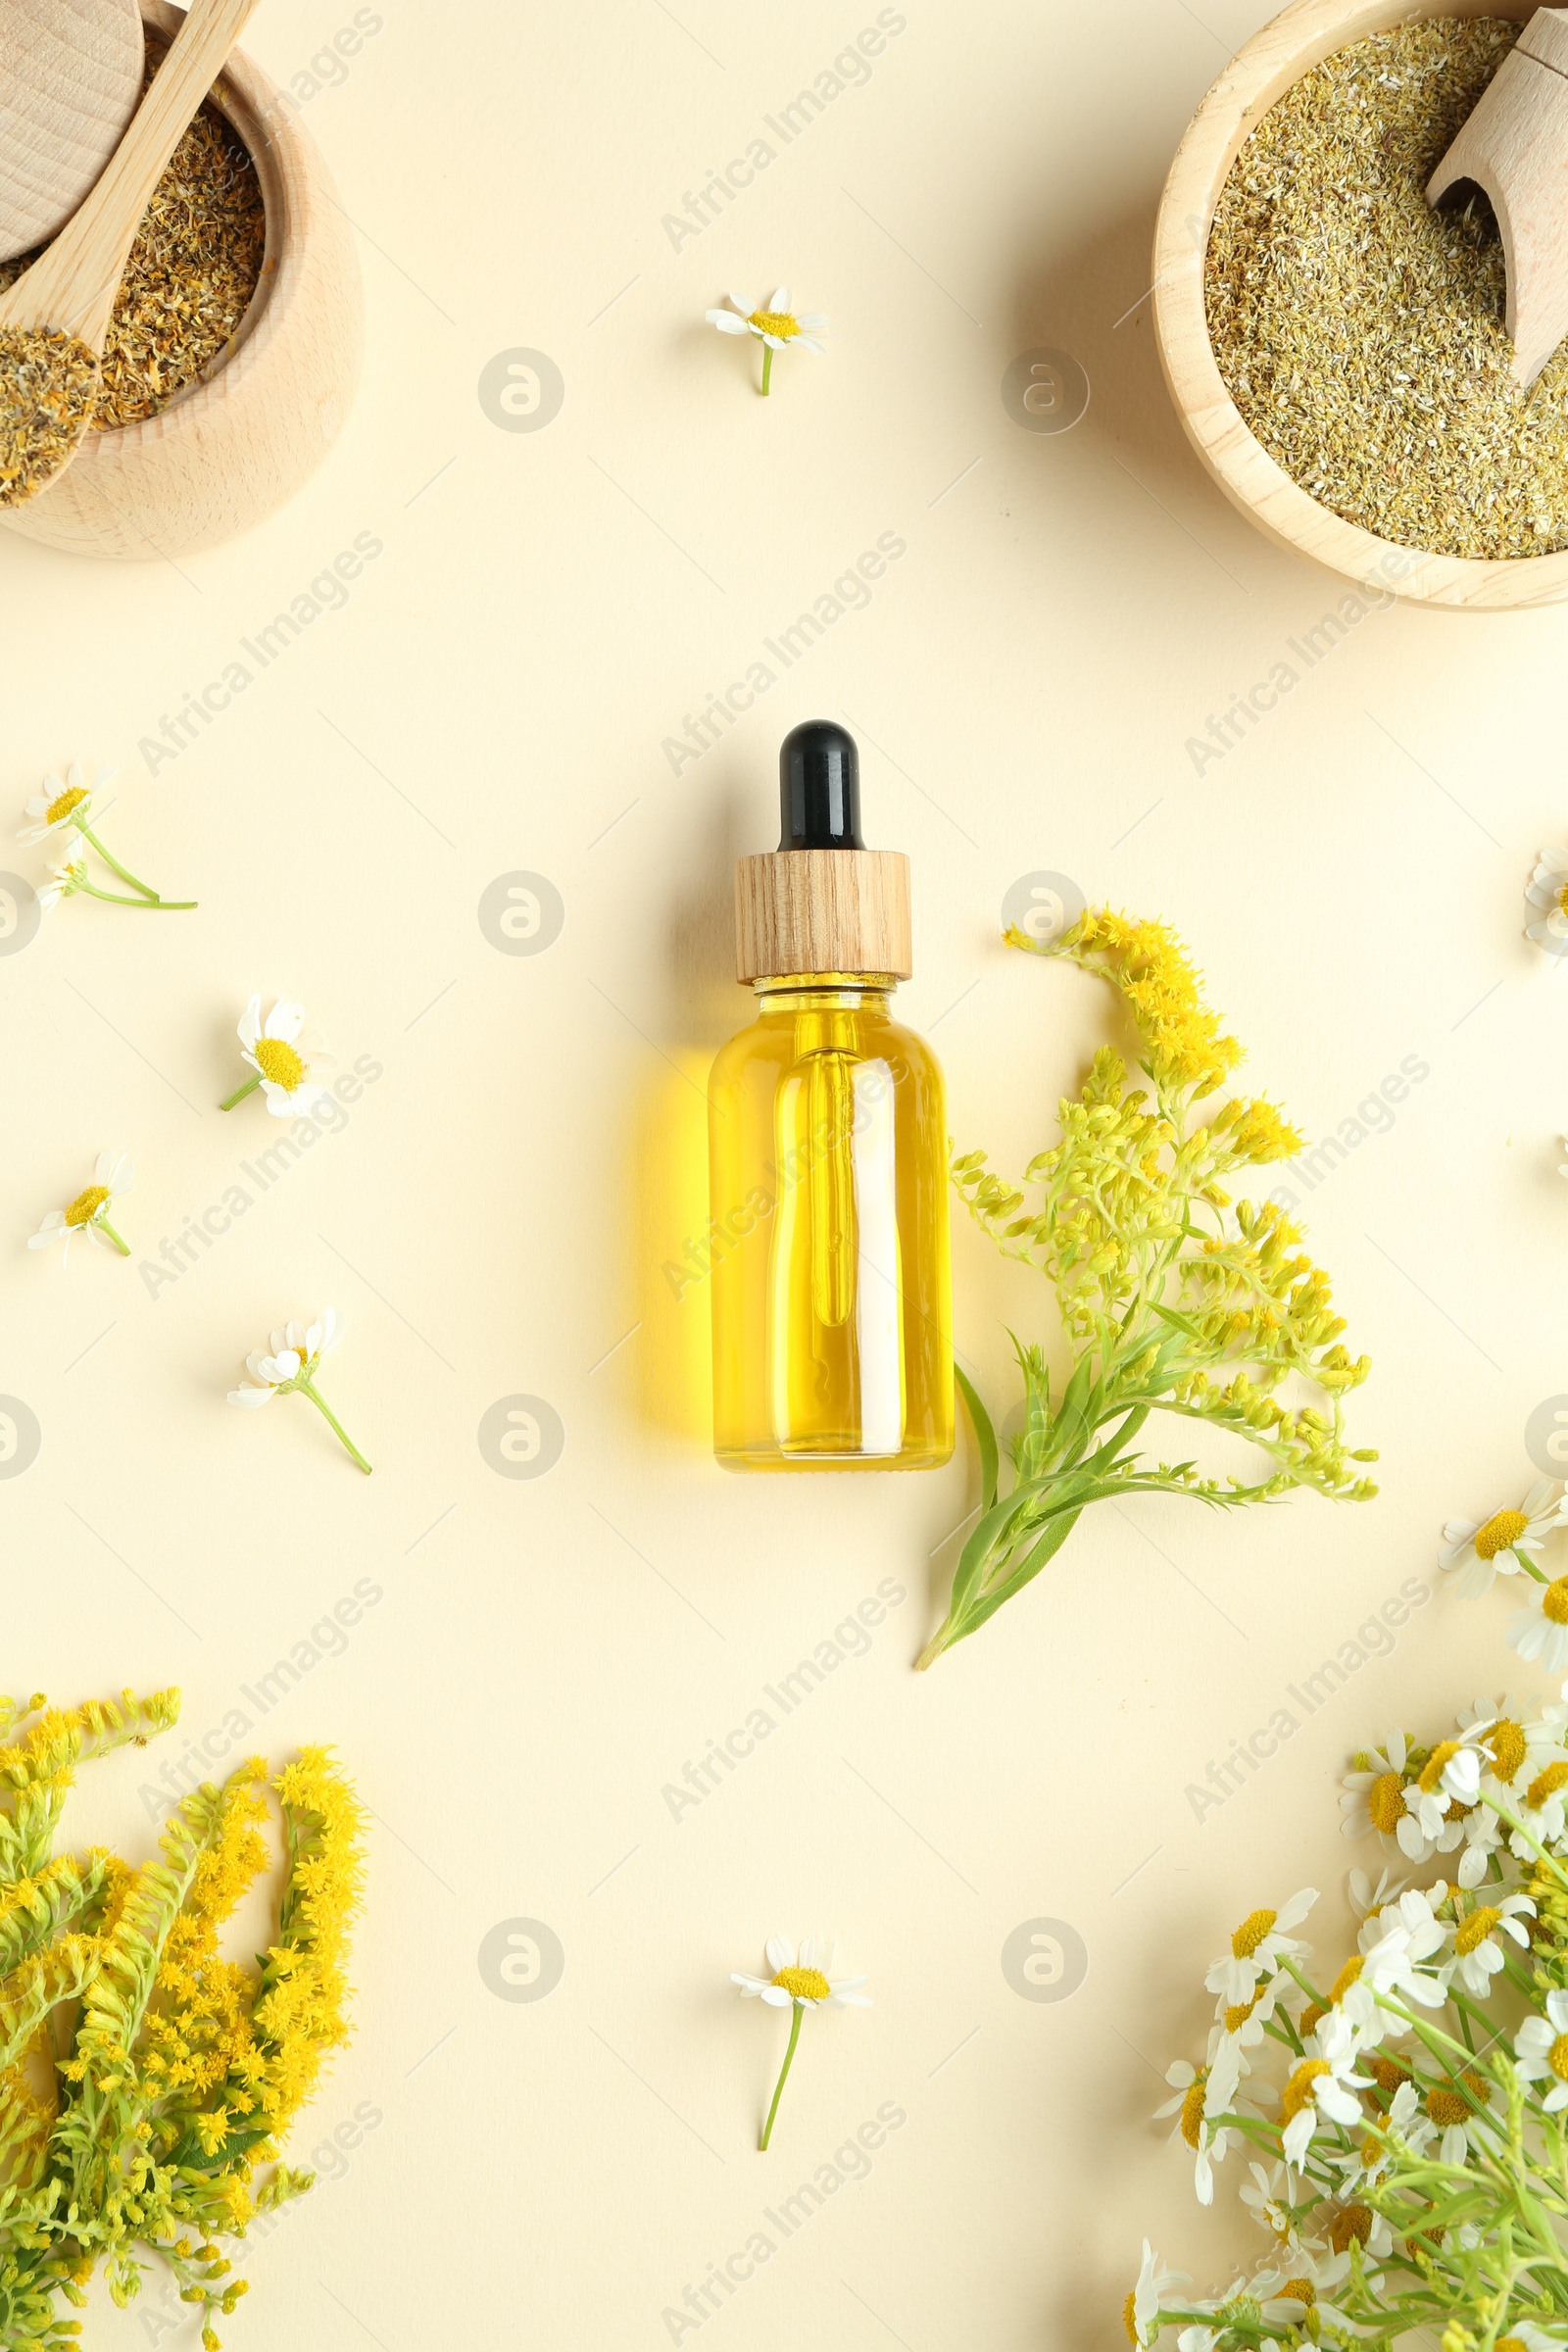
x=1366, y=1896
x=1311, y=2290
x=1390, y=1966
x=1259, y=1948
x=1203, y=2095
x=1530, y=2338
x=799, y=1981
x=1453, y=2114
x=1364, y=2168
x=1548, y=890
x=68, y=873
x=1449, y=1777
x=62, y=806
x=776, y=325
x=1244, y=2021
x=1541, y=1629
x=59, y=815
x=802, y=1977
x=1478, y=1955
x=1374, y=1792
x=1475, y=1550
x=289, y=1367
x=1265, y=2195
x=1508, y=1744
x=1144, y=2301
x=89, y=1213
x=1323, y=2085
x=1543, y=1811
x=285, y=1057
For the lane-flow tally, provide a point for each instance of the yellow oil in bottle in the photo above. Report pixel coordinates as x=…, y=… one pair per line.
x=828, y=1156
x=828, y=1192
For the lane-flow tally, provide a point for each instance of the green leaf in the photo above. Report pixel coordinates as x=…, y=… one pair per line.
x=985, y=1438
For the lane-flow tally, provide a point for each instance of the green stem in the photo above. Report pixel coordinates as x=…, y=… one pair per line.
x=112, y=897
x=103, y=1226
x=87, y=834
x=768, y=377
x=240, y=1093
x=778, y=2089
x=305, y=1390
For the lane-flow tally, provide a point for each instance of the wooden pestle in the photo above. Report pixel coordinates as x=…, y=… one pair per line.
x=1515, y=147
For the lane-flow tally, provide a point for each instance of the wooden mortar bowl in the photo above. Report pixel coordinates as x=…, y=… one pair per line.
x=1296, y=42
x=240, y=440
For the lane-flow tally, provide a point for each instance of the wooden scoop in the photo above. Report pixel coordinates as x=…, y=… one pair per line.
x=1515, y=146
x=70, y=74
x=66, y=300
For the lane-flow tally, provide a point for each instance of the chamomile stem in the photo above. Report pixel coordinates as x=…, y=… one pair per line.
x=87, y=834
x=768, y=385
x=323, y=1407
x=112, y=897
x=103, y=1226
x=240, y=1093
x=799, y=2008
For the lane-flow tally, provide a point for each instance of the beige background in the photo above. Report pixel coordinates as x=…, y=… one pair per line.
x=546, y=1657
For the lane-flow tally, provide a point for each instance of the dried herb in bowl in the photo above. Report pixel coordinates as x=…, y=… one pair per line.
x=192, y=274
x=1359, y=332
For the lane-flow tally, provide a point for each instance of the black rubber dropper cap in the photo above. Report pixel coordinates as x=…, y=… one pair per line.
x=819, y=788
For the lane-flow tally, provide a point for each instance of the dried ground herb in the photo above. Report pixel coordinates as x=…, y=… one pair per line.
x=190, y=277
x=1360, y=332
x=48, y=385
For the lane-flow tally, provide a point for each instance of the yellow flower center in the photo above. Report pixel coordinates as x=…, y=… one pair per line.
x=1351, y=2222
x=1128, y=2315
x=1384, y=1802
x=1557, y=2058
x=1432, y=1769
x=1501, y=1529
x=1477, y=1928
x=1298, y=2092
x=1555, y=1601
x=1346, y=1978
x=1388, y=2073
x=1505, y=1742
x=279, y=1062
x=1545, y=1784
x=1238, y=2014
x=782, y=323
x=1251, y=1931
x=1299, y=2291
x=1193, y=2110
x=1447, y=2107
x=63, y=805
x=1312, y=2018
x=86, y=1206
x=804, y=1983
x=1510, y=2344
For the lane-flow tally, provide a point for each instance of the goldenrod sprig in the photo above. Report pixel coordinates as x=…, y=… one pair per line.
x=1172, y=1296
x=173, y=2070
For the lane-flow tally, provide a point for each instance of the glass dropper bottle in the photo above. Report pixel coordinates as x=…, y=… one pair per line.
x=828, y=1156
